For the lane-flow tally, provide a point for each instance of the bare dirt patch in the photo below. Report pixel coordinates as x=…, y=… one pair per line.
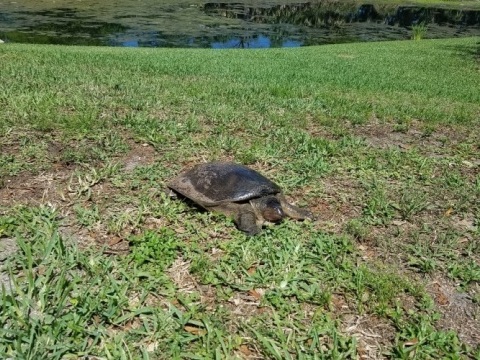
x=35, y=190
x=433, y=141
x=340, y=202
x=346, y=192
x=139, y=155
x=54, y=188
x=385, y=135
x=459, y=312
x=374, y=335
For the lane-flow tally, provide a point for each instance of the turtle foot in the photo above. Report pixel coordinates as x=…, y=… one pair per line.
x=247, y=222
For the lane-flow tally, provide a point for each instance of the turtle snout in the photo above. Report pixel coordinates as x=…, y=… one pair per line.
x=273, y=214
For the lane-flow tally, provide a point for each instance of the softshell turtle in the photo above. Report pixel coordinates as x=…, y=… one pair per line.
x=237, y=191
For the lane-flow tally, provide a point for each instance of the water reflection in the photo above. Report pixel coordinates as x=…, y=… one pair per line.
x=130, y=43
x=256, y=42
x=182, y=23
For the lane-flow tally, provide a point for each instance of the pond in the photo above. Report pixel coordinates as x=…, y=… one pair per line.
x=225, y=24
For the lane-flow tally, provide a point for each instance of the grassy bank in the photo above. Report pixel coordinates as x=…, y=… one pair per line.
x=379, y=140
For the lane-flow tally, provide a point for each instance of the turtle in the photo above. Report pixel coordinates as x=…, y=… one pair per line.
x=236, y=191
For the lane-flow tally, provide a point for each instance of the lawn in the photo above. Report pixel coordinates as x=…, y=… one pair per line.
x=380, y=140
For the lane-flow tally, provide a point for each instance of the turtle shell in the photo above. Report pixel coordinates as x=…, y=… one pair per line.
x=215, y=183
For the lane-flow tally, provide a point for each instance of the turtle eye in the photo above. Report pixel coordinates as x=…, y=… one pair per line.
x=273, y=214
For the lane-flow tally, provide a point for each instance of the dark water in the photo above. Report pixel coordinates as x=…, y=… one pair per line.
x=168, y=23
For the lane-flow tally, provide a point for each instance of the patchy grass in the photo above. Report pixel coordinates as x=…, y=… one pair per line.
x=379, y=140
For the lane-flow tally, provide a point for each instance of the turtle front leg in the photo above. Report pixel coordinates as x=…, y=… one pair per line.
x=293, y=211
x=246, y=221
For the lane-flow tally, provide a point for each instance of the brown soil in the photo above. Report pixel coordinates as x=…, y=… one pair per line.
x=459, y=312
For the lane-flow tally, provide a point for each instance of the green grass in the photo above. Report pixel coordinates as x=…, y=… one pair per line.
x=419, y=31
x=379, y=140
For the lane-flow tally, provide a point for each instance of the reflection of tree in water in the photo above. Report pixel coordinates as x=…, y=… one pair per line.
x=275, y=36
x=312, y=15
x=334, y=14
x=237, y=41
x=324, y=14
x=244, y=42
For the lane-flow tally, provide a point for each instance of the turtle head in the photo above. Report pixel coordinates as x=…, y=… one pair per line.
x=271, y=209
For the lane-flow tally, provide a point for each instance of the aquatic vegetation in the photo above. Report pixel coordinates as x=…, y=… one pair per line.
x=419, y=31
